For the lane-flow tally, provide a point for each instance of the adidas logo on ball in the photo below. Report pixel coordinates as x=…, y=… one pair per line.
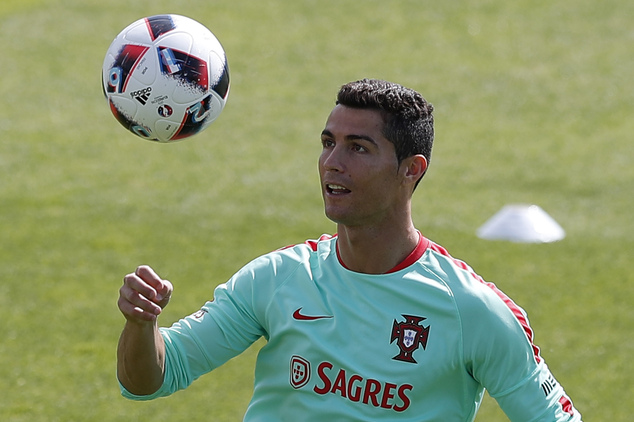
x=142, y=95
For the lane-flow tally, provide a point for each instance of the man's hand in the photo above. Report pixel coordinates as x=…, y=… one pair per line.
x=141, y=350
x=143, y=295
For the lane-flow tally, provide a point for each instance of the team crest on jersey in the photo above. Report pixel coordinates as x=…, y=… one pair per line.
x=300, y=371
x=409, y=335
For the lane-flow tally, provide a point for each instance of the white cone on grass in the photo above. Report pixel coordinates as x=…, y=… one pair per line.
x=522, y=224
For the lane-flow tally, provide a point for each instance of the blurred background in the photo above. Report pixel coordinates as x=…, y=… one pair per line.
x=533, y=105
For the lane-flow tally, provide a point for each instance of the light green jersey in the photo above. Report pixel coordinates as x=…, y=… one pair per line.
x=420, y=343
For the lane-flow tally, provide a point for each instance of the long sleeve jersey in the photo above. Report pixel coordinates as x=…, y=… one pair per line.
x=420, y=343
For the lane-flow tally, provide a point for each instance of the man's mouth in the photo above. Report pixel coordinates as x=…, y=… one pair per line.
x=336, y=189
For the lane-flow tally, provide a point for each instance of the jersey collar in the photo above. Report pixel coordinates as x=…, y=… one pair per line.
x=419, y=250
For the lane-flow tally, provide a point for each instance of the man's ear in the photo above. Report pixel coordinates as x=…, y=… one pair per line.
x=414, y=168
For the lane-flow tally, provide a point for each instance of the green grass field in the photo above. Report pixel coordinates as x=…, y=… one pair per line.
x=533, y=105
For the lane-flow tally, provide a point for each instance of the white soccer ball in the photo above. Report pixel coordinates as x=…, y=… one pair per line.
x=166, y=77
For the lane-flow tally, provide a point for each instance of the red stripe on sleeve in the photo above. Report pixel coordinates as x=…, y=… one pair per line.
x=312, y=243
x=515, y=309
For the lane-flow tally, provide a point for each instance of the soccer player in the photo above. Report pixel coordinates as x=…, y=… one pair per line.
x=374, y=323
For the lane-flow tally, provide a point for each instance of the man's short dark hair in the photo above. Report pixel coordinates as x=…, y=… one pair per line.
x=407, y=116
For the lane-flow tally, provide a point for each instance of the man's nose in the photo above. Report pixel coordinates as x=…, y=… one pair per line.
x=332, y=159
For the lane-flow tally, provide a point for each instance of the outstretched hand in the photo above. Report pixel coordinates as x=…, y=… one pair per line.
x=143, y=295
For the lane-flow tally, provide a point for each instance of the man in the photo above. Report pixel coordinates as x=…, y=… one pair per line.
x=374, y=323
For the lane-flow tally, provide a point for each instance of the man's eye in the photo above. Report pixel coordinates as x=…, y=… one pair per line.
x=359, y=148
x=327, y=143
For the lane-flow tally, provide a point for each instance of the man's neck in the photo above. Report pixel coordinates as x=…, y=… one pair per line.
x=375, y=251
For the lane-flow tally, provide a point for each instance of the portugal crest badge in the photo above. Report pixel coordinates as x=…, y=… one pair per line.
x=300, y=371
x=409, y=335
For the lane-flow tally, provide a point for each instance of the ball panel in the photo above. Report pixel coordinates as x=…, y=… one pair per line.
x=195, y=118
x=136, y=33
x=220, y=75
x=125, y=61
x=185, y=68
x=146, y=70
x=159, y=25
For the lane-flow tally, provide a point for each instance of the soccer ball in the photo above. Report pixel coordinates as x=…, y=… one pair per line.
x=166, y=77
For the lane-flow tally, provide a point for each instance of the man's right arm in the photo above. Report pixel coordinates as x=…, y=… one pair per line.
x=141, y=350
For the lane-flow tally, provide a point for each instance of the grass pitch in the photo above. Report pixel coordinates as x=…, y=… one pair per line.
x=533, y=105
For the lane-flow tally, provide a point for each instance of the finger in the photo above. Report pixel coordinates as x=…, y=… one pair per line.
x=149, y=276
x=137, y=284
x=136, y=292
x=134, y=313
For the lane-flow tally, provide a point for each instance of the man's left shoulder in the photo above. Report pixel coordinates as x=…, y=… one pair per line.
x=311, y=244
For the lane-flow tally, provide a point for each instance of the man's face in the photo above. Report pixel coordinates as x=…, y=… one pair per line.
x=360, y=176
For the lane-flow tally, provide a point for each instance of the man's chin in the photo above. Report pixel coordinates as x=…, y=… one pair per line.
x=341, y=219
x=335, y=217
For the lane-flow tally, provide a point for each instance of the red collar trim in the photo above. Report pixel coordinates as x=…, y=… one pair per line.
x=419, y=250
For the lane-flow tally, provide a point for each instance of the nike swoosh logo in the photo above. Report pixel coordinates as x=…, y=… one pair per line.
x=301, y=317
